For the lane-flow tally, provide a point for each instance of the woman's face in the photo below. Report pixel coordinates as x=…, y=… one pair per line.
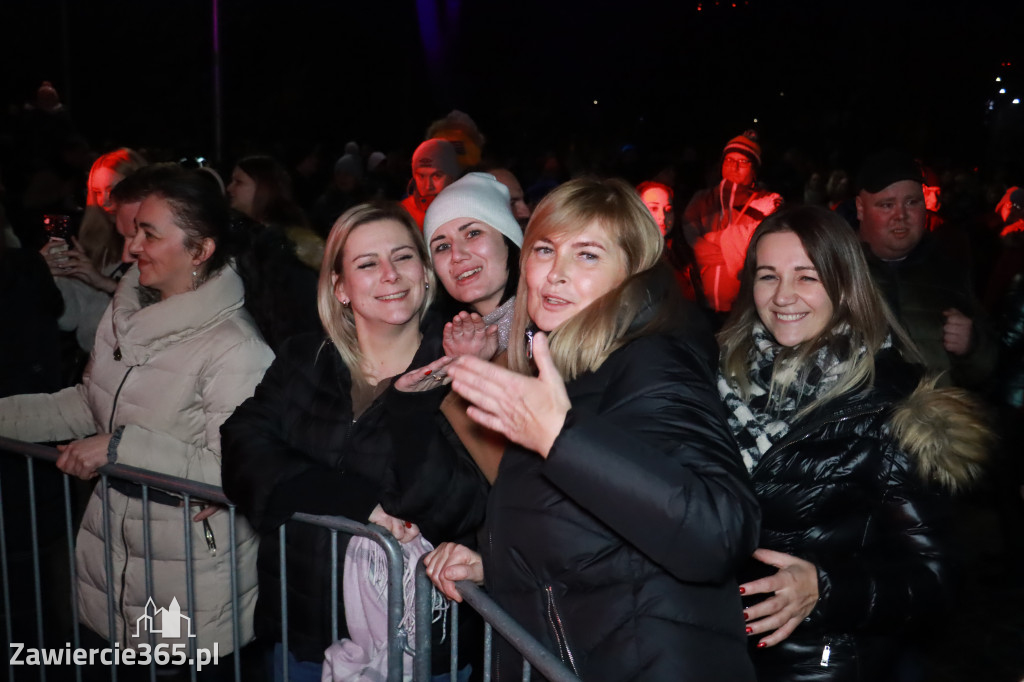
x=241, y=191
x=471, y=260
x=657, y=202
x=566, y=273
x=790, y=297
x=382, y=275
x=101, y=181
x=159, y=247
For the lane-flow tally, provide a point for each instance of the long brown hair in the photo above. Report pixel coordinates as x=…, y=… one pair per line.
x=860, y=316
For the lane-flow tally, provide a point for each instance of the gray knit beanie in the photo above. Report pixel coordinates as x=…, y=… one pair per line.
x=477, y=196
x=437, y=154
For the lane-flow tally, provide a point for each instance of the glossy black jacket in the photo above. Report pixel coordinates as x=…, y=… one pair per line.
x=860, y=489
x=619, y=551
x=295, y=447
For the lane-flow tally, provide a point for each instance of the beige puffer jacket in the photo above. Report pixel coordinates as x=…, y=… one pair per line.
x=170, y=374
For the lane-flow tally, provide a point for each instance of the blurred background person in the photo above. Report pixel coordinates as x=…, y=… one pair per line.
x=434, y=166
x=86, y=268
x=261, y=188
x=718, y=221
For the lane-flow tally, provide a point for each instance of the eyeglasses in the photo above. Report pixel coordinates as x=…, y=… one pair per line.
x=738, y=161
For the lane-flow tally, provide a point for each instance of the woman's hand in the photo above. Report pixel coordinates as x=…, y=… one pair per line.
x=55, y=253
x=80, y=266
x=425, y=378
x=450, y=563
x=82, y=458
x=796, y=592
x=526, y=410
x=402, y=530
x=467, y=334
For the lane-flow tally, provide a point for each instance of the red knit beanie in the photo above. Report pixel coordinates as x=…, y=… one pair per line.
x=745, y=144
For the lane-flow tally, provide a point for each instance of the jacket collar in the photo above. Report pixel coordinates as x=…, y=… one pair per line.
x=140, y=332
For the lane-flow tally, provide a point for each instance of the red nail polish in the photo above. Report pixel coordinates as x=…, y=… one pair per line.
x=427, y=373
x=750, y=630
x=408, y=524
x=761, y=645
x=745, y=614
x=743, y=590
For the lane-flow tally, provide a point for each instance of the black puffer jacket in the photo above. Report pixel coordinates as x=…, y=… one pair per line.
x=857, y=489
x=619, y=551
x=294, y=447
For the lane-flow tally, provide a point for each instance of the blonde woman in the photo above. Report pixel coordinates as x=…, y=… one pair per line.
x=621, y=509
x=341, y=426
x=88, y=269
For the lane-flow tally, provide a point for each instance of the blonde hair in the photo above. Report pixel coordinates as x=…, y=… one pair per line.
x=97, y=235
x=583, y=342
x=860, y=316
x=338, y=320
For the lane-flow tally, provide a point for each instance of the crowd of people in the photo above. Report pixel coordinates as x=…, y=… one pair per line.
x=751, y=439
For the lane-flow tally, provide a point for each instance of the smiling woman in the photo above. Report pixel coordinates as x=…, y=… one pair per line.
x=851, y=458
x=619, y=456
x=344, y=425
x=173, y=358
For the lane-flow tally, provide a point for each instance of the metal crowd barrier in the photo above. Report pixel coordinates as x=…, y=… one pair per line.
x=34, y=456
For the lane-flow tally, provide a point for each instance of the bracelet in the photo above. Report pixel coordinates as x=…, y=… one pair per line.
x=115, y=440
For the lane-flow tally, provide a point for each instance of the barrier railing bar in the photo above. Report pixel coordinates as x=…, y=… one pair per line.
x=453, y=673
x=424, y=604
x=190, y=587
x=37, y=564
x=282, y=556
x=533, y=653
x=108, y=564
x=488, y=650
x=73, y=570
x=334, y=585
x=397, y=644
x=236, y=624
x=3, y=571
x=182, y=486
x=147, y=550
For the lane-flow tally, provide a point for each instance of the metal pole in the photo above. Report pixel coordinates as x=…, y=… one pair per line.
x=218, y=142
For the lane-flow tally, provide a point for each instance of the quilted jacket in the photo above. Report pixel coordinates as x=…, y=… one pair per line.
x=860, y=488
x=619, y=550
x=169, y=374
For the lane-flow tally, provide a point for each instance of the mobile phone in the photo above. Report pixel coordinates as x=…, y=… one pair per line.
x=57, y=226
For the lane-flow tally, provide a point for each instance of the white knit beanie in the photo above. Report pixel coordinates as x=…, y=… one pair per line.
x=477, y=196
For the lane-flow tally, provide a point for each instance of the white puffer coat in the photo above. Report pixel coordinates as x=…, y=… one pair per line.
x=170, y=374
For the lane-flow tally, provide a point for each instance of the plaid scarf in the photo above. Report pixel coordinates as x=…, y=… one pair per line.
x=764, y=417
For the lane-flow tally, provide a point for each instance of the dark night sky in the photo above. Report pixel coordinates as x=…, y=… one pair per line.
x=665, y=74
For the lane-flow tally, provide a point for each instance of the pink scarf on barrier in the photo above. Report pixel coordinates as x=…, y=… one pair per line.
x=363, y=657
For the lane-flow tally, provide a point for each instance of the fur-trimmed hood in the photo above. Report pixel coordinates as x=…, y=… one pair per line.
x=946, y=433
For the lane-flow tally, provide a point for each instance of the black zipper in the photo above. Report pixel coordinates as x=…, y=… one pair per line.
x=117, y=394
x=124, y=580
x=564, y=652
